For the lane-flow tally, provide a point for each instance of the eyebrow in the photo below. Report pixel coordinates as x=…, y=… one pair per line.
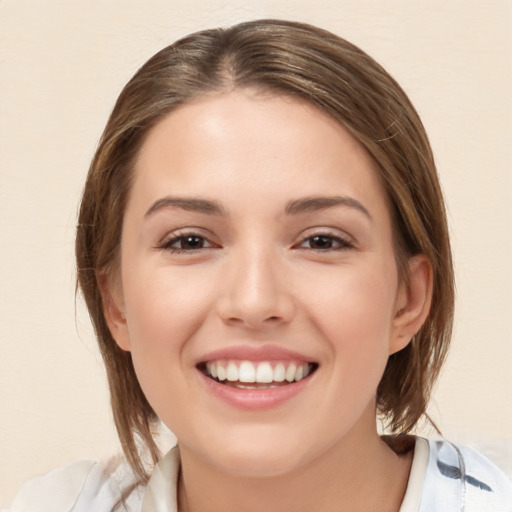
x=313, y=204
x=188, y=203
x=293, y=207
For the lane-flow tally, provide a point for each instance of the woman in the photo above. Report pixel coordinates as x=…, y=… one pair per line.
x=263, y=249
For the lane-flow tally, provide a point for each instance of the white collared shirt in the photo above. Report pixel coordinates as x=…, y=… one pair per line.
x=444, y=478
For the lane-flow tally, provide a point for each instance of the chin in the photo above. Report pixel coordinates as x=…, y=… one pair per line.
x=261, y=455
x=258, y=463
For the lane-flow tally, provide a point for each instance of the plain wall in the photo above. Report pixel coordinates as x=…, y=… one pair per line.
x=62, y=64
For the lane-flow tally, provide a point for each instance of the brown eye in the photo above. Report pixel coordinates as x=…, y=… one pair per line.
x=187, y=243
x=321, y=242
x=191, y=242
x=325, y=243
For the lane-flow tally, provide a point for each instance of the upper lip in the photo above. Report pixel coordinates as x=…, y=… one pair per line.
x=265, y=352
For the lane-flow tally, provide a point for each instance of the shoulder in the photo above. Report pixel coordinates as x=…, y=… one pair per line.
x=81, y=486
x=460, y=478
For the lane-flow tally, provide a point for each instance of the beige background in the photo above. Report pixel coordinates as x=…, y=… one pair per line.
x=62, y=66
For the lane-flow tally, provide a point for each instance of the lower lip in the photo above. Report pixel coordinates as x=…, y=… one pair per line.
x=254, y=399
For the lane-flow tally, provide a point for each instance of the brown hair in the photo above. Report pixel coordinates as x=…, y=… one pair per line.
x=304, y=62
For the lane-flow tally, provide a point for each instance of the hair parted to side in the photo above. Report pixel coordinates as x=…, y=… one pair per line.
x=307, y=63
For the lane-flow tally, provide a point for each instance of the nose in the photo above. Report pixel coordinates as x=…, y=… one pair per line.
x=255, y=293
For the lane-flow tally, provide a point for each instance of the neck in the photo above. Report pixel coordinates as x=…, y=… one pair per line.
x=358, y=474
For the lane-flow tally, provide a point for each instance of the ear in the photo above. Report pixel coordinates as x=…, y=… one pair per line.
x=114, y=309
x=413, y=303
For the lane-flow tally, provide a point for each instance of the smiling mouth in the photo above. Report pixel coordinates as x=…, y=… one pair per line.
x=256, y=375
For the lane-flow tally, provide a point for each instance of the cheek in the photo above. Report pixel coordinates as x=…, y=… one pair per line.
x=164, y=311
x=355, y=313
x=166, y=304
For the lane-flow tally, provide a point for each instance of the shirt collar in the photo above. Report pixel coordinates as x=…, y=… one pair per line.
x=162, y=488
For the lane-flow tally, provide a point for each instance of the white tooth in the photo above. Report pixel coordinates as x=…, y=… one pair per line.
x=221, y=372
x=279, y=372
x=307, y=370
x=264, y=373
x=246, y=372
x=232, y=372
x=299, y=374
x=213, y=370
x=290, y=372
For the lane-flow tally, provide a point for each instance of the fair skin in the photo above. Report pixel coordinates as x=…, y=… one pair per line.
x=255, y=272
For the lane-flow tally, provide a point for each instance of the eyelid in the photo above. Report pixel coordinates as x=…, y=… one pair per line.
x=167, y=241
x=345, y=240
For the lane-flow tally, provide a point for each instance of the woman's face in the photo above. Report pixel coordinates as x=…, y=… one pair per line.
x=257, y=246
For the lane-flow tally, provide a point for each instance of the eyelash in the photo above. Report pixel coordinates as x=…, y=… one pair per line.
x=344, y=244
x=167, y=244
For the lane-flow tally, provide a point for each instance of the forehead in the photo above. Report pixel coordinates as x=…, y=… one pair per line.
x=251, y=143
